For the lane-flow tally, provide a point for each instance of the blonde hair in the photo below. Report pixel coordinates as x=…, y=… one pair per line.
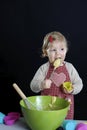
x=55, y=36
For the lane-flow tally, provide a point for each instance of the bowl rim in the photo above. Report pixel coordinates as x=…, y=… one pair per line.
x=66, y=107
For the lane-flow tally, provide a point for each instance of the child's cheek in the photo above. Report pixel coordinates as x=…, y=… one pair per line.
x=51, y=58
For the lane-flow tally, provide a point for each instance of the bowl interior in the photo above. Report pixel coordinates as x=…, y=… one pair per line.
x=44, y=103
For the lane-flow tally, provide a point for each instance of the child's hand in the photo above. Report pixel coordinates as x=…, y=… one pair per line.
x=67, y=87
x=46, y=84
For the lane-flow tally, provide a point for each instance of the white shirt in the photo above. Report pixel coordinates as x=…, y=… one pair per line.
x=41, y=73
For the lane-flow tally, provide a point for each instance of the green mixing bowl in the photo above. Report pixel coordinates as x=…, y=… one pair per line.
x=50, y=115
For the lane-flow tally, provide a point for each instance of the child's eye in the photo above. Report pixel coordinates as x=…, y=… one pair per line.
x=62, y=49
x=53, y=50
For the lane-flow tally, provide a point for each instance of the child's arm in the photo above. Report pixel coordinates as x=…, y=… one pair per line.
x=36, y=83
x=75, y=78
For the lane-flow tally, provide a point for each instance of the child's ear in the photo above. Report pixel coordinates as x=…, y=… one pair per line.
x=44, y=53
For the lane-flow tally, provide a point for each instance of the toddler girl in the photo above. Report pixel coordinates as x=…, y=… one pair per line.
x=50, y=79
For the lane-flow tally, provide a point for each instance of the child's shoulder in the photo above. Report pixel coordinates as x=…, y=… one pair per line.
x=45, y=65
x=68, y=64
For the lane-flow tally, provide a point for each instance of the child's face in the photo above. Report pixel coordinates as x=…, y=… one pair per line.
x=56, y=50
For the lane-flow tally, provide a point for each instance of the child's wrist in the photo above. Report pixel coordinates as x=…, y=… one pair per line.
x=41, y=86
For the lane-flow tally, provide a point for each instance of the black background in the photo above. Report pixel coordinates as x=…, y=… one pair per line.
x=23, y=24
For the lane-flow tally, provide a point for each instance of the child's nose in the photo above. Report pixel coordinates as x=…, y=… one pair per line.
x=58, y=52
